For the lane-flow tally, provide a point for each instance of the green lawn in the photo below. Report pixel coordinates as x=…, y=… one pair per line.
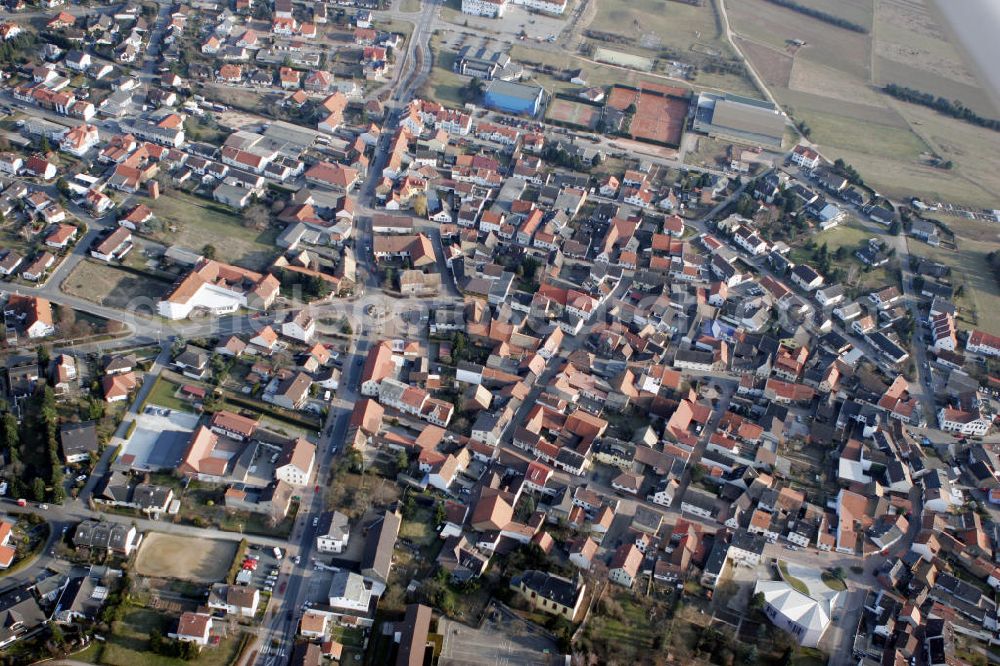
x=126, y=646
x=794, y=582
x=419, y=529
x=206, y=131
x=833, y=582
x=162, y=394
x=677, y=25
x=864, y=136
x=804, y=656
x=200, y=222
x=849, y=234
x=445, y=86
x=404, y=28
x=348, y=637
x=256, y=523
x=283, y=420
x=633, y=628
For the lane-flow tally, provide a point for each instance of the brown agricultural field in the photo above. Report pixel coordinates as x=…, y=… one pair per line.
x=975, y=151
x=773, y=65
x=770, y=24
x=834, y=86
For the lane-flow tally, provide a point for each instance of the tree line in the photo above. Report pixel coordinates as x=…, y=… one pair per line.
x=953, y=108
x=821, y=15
x=38, y=437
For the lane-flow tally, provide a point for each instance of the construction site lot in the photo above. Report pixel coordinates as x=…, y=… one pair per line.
x=193, y=223
x=185, y=558
x=829, y=79
x=114, y=287
x=571, y=112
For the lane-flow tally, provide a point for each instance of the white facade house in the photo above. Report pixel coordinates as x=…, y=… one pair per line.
x=490, y=8
x=805, y=157
x=193, y=628
x=301, y=327
x=830, y=296
x=747, y=549
x=547, y=6
x=349, y=592
x=234, y=599
x=203, y=290
x=297, y=463
x=750, y=241
x=218, y=300
x=806, y=277
x=963, y=422
x=332, y=533
x=980, y=342
x=665, y=493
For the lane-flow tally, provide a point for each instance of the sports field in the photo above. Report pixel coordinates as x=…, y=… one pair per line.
x=623, y=59
x=570, y=112
x=660, y=111
x=197, y=560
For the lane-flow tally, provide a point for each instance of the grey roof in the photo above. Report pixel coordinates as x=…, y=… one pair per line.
x=517, y=90
x=699, y=498
x=333, y=524
x=115, y=487
x=19, y=612
x=146, y=496
x=747, y=116
x=350, y=586
x=79, y=598
x=377, y=557
x=192, y=357
x=78, y=438
x=753, y=543
x=182, y=255
x=561, y=590
x=101, y=534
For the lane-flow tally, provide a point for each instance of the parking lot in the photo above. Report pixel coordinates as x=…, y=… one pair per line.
x=515, y=20
x=261, y=470
x=159, y=438
x=265, y=565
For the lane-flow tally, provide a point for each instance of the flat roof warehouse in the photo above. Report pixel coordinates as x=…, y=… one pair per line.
x=516, y=90
x=740, y=119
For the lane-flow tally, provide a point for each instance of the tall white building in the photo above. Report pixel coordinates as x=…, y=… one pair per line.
x=490, y=8
x=547, y=6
